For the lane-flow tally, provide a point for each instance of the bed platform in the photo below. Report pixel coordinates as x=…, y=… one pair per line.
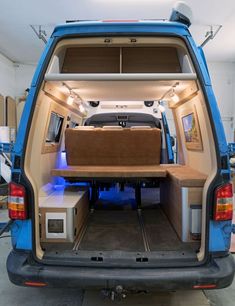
x=131, y=153
x=183, y=175
x=111, y=171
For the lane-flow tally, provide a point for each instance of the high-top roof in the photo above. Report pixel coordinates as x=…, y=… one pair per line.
x=115, y=27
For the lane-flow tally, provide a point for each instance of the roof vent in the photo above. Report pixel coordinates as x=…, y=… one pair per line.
x=182, y=13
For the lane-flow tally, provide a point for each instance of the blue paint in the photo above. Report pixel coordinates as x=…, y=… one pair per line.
x=6, y=147
x=219, y=231
x=231, y=149
x=220, y=236
x=112, y=28
x=200, y=60
x=21, y=232
x=204, y=60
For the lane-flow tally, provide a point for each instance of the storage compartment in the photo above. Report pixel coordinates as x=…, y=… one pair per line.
x=91, y=60
x=179, y=204
x=132, y=231
x=150, y=60
x=62, y=215
x=117, y=60
x=115, y=228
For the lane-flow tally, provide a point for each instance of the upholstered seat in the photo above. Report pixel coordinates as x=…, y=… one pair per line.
x=113, y=147
x=121, y=153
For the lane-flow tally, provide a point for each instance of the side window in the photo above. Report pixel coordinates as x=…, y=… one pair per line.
x=54, y=128
x=73, y=124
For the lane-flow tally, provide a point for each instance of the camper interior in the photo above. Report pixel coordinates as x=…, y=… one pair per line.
x=108, y=187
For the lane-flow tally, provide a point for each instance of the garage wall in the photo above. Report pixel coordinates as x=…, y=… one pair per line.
x=7, y=77
x=23, y=77
x=14, y=77
x=223, y=80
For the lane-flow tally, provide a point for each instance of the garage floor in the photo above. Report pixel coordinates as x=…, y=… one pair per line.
x=11, y=295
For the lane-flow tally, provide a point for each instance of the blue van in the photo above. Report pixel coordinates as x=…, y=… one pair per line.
x=121, y=177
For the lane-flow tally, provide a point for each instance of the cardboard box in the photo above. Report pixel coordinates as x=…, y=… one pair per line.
x=7, y=134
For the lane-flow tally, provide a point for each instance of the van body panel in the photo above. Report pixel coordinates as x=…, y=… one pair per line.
x=217, y=234
x=220, y=236
x=21, y=232
x=114, y=28
x=200, y=57
x=205, y=63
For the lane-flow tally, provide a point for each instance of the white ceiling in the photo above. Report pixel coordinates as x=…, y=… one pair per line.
x=19, y=43
x=121, y=90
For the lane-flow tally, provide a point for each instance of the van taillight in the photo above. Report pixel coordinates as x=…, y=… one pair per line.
x=16, y=202
x=224, y=203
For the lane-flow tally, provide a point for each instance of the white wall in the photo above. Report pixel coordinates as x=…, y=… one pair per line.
x=23, y=77
x=7, y=77
x=14, y=78
x=223, y=81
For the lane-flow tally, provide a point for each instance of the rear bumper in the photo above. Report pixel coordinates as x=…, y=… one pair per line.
x=219, y=272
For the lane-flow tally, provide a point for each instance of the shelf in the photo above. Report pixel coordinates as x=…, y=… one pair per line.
x=119, y=76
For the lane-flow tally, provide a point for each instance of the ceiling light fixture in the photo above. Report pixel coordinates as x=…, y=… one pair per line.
x=161, y=107
x=174, y=97
x=171, y=93
x=70, y=99
x=81, y=108
x=73, y=96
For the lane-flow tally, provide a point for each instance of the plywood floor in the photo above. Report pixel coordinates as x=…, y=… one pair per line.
x=121, y=230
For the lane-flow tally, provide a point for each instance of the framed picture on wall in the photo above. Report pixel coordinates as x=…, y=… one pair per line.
x=192, y=131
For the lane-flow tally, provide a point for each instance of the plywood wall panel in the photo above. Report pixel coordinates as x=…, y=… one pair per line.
x=2, y=111
x=11, y=112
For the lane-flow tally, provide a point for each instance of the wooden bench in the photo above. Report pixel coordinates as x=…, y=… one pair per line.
x=112, y=147
x=185, y=176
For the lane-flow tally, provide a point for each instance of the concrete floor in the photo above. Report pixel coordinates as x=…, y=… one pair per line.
x=11, y=295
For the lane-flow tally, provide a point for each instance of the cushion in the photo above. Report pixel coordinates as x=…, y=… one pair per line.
x=103, y=147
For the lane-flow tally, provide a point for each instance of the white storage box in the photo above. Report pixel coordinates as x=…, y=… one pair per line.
x=62, y=215
x=7, y=134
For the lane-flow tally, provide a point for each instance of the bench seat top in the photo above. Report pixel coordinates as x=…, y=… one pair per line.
x=183, y=175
